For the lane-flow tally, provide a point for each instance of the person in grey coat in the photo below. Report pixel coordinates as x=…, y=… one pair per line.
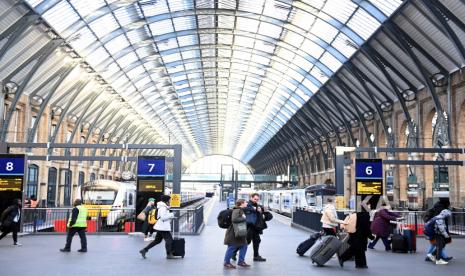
x=232, y=241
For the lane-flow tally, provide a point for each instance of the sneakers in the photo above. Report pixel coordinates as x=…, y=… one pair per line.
x=441, y=262
x=17, y=244
x=229, y=266
x=259, y=259
x=143, y=252
x=431, y=257
x=65, y=250
x=82, y=250
x=243, y=264
x=447, y=259
x=149, y=239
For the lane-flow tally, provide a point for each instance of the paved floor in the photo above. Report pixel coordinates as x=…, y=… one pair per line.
x=118, y=255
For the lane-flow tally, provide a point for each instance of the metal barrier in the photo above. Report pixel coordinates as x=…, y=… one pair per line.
x=37, y=220
x=412, y=219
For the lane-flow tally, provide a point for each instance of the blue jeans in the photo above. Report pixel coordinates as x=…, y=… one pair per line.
x=232, y=249
x=432, y=249
x=386, y=241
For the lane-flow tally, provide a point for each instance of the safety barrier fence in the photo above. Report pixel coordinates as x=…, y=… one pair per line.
x=412, y=220
x=37, y=220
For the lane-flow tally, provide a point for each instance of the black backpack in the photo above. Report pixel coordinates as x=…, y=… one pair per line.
x=429, y=214
x=224, y=218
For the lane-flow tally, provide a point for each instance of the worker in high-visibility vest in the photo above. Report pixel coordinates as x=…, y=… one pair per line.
x=77, y=223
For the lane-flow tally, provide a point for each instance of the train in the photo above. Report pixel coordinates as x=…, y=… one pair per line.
x=114, y=200
x=284, y=201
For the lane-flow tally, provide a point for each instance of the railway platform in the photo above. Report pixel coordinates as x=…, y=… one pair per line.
x=118, y=255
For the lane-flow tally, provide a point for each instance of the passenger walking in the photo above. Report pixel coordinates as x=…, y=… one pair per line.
x=329, y=218
x=358, y=242
x=252, y=211
x=77, y=223
x=10, y=221
x=381, y=226
x=236, y=236
x=437, y=232
x=150, y=219
x=163, y=228
x=442, y=204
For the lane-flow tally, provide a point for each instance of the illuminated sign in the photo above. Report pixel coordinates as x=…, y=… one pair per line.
x=369, y=176
x=175, y=200
x=11, y=184
x=151, y=166
x=11, y=164
x=151, y=185
x=365, y=187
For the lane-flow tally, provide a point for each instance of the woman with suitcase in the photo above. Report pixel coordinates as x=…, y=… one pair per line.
x=358, y=242
x=163, y=228
x=381, y=226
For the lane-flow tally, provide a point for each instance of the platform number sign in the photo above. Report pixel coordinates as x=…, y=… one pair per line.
x=11, y=164
x=151, y=166
x=369, y=176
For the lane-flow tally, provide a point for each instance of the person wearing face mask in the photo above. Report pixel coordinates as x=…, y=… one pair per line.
x=11, y=219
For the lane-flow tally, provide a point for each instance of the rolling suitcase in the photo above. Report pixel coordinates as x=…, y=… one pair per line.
x=344, y=238
x=307, y=244
x=399, y=243
x=178, y=246
x=410, y=240
x=324, y=249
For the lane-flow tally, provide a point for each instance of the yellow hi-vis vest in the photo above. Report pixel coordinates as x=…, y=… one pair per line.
x=81, y=220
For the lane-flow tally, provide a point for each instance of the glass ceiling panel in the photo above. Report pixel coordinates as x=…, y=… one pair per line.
x=198, y=75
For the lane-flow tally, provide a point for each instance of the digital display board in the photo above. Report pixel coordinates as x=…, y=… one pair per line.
x=369, y=176
x=151, y=185
x=11, y=184
x=365, y=187
x=11, y=164
x=368, y=168
x=151, y=166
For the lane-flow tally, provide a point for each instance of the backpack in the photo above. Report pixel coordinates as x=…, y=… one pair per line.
x=224, y=218
x=428, y=229
x=152, y=219
x=352, y=223
x=429, y=214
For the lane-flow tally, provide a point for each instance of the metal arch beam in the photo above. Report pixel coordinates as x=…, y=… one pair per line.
x=320, y=103
x=336, y=103
x=355, y=72
x=396, y=34
x=78, y=87
x=110, y=122
x=16, y=30
x=41, y=57
x=373, y=56
x=348, y=92
x=443, y=15
x=62, y=76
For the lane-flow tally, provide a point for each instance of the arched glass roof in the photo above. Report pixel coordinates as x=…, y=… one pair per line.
x=217, y=76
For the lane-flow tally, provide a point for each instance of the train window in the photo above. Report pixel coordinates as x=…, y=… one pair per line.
x=32, y=180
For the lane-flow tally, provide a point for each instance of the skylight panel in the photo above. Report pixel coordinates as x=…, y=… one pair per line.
x=387, y=7
x=312, y=48
x=225, y=21
x=324, y=31
x=152, y=8
x=127, y=59
x=340, y=10
x=117, y=44
x=104, y=25
x=179, y=5
x=87, y=7
x=84, y=38
x=330, y=61
x=270, y=30
x=161, y=27
x=184, y=23
x=187, y=40
x=55, y=16
x=344, y=45
x=363, y=23
x=247, y=24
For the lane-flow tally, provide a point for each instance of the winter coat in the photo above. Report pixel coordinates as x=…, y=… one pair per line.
x=8, y=216
x=440, y=223
x=359, y=240
x=329, y=217
x=381, y=225
x=164, y=217
x=230, y=238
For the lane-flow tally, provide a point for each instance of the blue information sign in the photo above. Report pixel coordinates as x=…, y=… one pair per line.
x=151, y=166
x=368, y=168
x=11, y=164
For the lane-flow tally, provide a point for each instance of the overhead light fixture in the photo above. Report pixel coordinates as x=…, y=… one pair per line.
x=56, y=111
x=409, y=95
x=10, y=87
x=342, y=129
x=386, y=106
x=37, y=100
x=368, y=115
x=73, y=118
x=354, y=123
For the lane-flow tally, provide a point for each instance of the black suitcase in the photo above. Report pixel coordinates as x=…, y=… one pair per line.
x=399, y=244
x=178, y=247
x=305, y=246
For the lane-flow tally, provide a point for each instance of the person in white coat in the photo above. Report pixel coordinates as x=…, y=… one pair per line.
x=163, y=228
x=329, y=219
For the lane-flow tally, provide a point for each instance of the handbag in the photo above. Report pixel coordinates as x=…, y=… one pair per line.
x=267, y=216
x=142, y=216
x=240, y=229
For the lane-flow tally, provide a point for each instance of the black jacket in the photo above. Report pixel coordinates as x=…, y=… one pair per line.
x=8, y=216
x=359, y=239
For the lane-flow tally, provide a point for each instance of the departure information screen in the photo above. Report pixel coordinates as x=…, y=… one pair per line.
x=151, y=185
x=11, y=184
x=369, y=187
